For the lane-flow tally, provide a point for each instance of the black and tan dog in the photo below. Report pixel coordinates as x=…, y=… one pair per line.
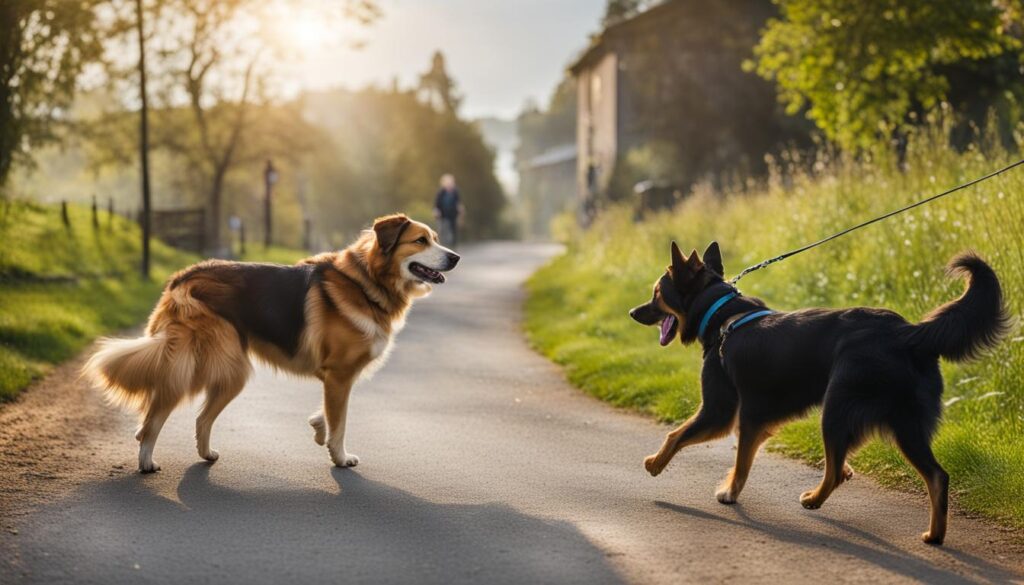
x=332, y=316
x=871, y=370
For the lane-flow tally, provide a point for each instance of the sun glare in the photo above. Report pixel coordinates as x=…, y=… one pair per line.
x=305, y=33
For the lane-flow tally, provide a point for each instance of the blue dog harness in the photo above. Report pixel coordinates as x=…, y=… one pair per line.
x=747, y=318
x=732, y=325
x=712, y=310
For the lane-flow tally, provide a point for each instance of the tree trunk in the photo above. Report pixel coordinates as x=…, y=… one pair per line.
x=143, y=140
x=216, y=192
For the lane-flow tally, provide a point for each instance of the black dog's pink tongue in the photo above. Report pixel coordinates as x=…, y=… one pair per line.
x=668, y=324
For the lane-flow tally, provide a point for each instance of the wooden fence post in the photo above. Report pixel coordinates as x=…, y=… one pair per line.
x=64, y=214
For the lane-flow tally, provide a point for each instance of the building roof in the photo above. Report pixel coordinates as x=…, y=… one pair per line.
x=599, y=42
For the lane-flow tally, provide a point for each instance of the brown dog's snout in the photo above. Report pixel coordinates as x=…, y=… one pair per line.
x=453, y=259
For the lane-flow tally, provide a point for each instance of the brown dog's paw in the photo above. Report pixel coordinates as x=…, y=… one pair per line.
x=935, y=540
x=809, y=500
x=725, y=496
x=319, y=428
x=345, y=460
x=650, y=464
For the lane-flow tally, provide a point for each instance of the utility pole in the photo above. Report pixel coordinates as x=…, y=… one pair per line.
x=269, y=178
x=143, y=139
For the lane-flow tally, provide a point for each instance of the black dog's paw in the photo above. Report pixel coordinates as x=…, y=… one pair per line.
x=847, y=472
x=934, y=540
x=651, y=465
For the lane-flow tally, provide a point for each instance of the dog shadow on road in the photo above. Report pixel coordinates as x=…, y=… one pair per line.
x=862, y=545
x=277, y=532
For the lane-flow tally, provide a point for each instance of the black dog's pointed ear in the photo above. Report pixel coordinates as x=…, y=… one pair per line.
x=694, y=261
x=713, y=258
x=684, y=268
x=388, y=230
x=678, y=261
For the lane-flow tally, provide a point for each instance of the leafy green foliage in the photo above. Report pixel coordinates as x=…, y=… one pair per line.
x=384, y=151
x=185, y=173
x=577, y=310
x=618, y=10
x=44, y=45
x=211, y=67
x=862, y=73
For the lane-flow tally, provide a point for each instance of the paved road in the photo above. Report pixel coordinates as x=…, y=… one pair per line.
x=479, y=464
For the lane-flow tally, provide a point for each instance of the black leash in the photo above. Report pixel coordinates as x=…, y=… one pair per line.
x=757, y=267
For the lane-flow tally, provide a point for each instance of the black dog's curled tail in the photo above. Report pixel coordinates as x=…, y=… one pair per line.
x=962, y=329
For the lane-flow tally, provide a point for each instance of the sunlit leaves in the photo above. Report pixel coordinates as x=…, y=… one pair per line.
x=44, y=46
x=859, y=71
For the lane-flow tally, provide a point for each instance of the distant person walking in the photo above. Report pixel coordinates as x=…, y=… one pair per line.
x=448, y=210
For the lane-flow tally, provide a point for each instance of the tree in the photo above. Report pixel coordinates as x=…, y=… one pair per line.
x=618, y=10
x=555, y=126
x=44, y=46
x=216, y=60
x=147, y=211
x=866, y=74
x=383, y=151
x=439, y=87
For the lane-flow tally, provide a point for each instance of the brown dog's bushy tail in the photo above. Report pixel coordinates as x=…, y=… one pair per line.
x=128, y=370
x=960, y=330
x=156, y=368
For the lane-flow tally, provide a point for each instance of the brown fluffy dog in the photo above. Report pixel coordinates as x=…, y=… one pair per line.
x=332, y=316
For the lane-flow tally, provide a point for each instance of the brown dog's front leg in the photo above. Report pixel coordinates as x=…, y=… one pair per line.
x=337, y=388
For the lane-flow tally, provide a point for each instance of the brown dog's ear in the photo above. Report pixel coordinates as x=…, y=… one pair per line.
x=388, y=230
x=713, y=258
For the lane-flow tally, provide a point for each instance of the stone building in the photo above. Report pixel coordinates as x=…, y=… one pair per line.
x=673, y=77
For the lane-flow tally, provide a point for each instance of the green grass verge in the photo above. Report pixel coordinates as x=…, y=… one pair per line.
x=577, y=305
x=61, y=287
x=274, y=254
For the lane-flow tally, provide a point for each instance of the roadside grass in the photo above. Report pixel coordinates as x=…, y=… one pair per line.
x=274, y=254
x=60, y=287
x=576, y=312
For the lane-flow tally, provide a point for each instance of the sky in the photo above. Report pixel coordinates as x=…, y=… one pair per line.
x=500, y=52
